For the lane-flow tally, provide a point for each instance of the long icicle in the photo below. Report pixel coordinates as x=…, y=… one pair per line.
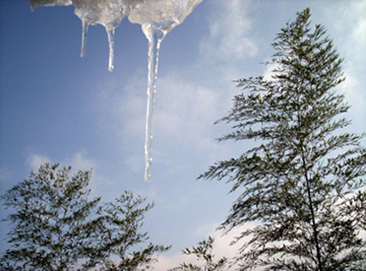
x=110, y=32
x=155, y=37
x=84, y=33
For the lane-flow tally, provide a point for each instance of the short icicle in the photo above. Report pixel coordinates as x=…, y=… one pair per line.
x=155, y=37
x=110, y=32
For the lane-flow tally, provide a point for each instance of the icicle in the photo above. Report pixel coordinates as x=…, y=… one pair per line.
x=110, y=32
x=155, y=37
x=157, y=18
x=85, y=27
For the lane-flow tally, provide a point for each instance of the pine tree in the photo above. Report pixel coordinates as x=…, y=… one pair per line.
x=118, y=236
x=50, y=220
x=56, y=227
x=303, y=183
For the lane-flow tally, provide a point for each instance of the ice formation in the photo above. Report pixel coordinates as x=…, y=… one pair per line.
x=156, y=17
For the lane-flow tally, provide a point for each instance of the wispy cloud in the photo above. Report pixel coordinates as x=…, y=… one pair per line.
x=185, y=110
x=359, y=32
x=350, y=27
x=349, y=33
x=184, y=113
x=222, y=247
x=230, y=28
x=78, y=161
x=34, y=161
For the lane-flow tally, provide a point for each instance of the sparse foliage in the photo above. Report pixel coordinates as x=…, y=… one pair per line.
x=203, y=252
x=56, y=227
x=118, y=233
x=303, y=180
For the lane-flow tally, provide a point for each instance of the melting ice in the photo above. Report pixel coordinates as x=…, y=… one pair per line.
x=156, y=17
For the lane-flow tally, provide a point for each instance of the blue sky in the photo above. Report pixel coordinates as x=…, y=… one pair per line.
x=58, y=107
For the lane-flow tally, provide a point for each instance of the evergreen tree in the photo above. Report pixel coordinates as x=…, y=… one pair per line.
x=51, y=219
x=303, y=182
x=56, y=227
x=118, y=233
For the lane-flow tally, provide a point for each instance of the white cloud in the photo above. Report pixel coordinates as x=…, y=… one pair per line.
x=35, y=161
x=359, y=33
x=180, y=109
x=230, y=28
x=222, y=247
x=349, y=34
x=355, y=27
x=78, y=161
x=350, y=87
x=123, y=106
x=185, y=110
x=183, y=117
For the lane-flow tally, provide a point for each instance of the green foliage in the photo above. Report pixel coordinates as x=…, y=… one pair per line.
x=203, y=252
x=55, y=226
x=50, y=223
x=304, y=180
x=118, y=227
